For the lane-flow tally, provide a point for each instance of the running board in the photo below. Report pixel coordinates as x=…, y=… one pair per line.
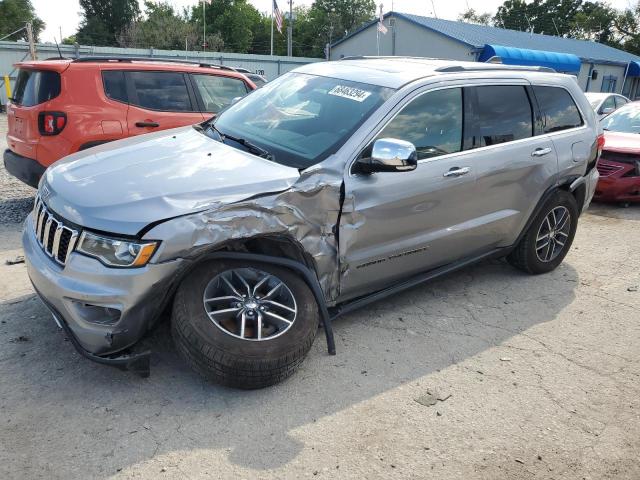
x=360, y=302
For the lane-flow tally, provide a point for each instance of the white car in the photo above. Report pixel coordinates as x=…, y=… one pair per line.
x=605, y=103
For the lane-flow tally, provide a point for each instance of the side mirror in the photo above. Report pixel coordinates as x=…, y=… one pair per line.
x=607, y=111
x=390, y=155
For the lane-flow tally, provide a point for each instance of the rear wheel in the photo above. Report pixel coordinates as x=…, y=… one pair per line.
x=244, y=325
x=549, y=237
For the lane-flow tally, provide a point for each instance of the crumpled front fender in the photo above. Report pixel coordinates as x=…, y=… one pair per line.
x=307, y=213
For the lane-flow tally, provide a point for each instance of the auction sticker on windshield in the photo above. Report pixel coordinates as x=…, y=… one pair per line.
x=351, y=93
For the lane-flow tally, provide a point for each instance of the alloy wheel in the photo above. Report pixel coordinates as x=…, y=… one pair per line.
x=553, y=234
x=250, y=304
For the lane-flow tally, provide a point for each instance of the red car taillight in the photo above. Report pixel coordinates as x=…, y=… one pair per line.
x=51, y=123
x=600, y=143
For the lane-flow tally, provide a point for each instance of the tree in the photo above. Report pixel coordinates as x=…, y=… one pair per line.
x=161, y=28
x=70, y=40
x=14, y=14
x=104, y=20
x=232, y=20
x=566, y=18
x=627, y=23
x=595, y=21
x=326, y=21
x=470, y=16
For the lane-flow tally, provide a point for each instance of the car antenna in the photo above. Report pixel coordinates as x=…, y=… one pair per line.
x=58, y=47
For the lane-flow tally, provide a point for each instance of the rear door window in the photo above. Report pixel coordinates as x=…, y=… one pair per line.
x=217, y=91
x=161, y=91
x=115, y=86
x=35, y=86
x=610, y=102
x=503, y=114
x=620, y=101
x=558, y=109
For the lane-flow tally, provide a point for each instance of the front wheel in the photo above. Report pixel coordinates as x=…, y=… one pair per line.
x=244, y=325
x=549, y=237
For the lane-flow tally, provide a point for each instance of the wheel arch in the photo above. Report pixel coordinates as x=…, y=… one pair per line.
x=280, y=250
x=577, y=186
x=565, y=185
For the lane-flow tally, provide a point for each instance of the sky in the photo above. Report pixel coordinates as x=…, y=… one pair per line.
x=65, y=14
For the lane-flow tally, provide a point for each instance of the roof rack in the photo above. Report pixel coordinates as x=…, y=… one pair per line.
x=492, y=66
x=468, y=67
x=143, y=59
x=387, y=57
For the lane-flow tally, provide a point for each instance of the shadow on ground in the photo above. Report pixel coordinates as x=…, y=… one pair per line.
x=53, y=396
x=612, y=210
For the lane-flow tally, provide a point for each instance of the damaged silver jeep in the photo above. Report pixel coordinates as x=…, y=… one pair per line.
x=337, y=184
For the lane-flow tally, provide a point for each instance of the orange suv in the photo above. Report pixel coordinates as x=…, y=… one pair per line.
x=63, y=106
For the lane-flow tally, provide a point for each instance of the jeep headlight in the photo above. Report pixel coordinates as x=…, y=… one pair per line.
x=116, y=252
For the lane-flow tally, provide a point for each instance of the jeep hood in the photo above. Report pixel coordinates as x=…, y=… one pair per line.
x=123, y=186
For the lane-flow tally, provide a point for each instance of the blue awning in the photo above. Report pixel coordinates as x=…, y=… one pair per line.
x=634, y=69
x=561, y=62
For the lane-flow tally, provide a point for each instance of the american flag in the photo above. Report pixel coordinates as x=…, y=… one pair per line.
x=381, y=27
x=278, y=16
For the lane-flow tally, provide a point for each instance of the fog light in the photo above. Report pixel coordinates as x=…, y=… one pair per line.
x=97, y=314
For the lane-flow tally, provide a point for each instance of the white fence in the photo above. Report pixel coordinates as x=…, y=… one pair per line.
x=269, y=66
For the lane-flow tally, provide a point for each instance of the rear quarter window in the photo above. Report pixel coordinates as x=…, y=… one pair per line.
x=115, y=86
x=36, y=86
x=504, y=114
x=559, y=111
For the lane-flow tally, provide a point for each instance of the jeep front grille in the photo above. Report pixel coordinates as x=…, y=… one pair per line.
x=55, y=238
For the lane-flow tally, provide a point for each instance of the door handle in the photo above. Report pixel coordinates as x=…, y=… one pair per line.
x=541, y=152
x=147, y=124
x=457, y=172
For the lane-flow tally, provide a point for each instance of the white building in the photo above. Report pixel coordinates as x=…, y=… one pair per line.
x=599, y=68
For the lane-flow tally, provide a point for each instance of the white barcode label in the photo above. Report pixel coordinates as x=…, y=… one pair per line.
x=349, y=92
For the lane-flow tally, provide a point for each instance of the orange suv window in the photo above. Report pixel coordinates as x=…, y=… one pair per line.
x=114, y=85
x=162, y=91
x=217, y=91
x=36, y=86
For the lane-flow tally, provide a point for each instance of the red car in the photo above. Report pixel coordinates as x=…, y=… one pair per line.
x=62, y=106
x=619, y=164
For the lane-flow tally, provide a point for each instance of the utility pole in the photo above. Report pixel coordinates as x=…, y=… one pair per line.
x=290, y=30
x=60, y=30
x=204, y=28
x=32, y=45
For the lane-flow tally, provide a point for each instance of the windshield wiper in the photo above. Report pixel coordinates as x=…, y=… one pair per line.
x=255, y=149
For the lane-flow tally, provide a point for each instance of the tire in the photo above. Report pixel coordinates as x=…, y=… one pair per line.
x=218, y=353
x=529, y=254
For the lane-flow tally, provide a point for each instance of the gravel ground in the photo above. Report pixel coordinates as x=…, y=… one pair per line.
x=484, y=374
x=16, y=198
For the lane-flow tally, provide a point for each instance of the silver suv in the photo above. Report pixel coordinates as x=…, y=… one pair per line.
x=333, y=186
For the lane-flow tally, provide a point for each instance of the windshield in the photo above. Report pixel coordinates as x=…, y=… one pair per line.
x=301, y=119
x=625, y=119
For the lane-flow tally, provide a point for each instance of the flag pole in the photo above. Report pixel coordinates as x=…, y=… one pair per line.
x=272, y=28
x=378, y=30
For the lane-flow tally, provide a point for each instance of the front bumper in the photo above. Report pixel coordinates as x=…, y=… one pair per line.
x=25, y=169
x=618, y=182
x=591, y=182
x=76, y=294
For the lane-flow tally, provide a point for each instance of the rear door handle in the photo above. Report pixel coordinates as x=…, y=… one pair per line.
x=457, y=172
x=541, y=152
x=147, y=124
